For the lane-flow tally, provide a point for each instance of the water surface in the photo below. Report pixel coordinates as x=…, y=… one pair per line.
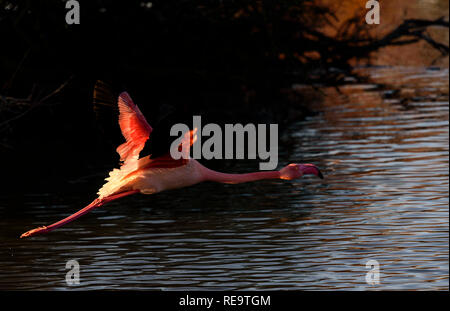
x=384, y=152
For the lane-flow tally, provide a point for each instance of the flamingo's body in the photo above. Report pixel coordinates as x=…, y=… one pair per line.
x=146, y=175
x=149, y=180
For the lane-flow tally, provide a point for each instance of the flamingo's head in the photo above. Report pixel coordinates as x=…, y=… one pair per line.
x=294, y=171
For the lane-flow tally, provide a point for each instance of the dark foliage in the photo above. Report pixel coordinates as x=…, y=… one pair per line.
x=228, y=61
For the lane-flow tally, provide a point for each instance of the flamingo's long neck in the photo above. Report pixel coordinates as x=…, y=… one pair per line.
x=239, y=178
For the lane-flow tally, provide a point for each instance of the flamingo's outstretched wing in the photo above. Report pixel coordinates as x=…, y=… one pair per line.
x=134, y=128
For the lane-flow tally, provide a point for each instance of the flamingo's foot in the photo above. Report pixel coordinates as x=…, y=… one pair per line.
x=38, y=230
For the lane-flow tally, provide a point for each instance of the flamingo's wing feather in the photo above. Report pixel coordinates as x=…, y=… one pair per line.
x=134, y=128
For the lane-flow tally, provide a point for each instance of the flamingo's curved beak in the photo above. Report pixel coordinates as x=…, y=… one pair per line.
x=319, y=173
x=311, y=169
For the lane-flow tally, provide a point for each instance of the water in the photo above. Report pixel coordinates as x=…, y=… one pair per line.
x=385, y=197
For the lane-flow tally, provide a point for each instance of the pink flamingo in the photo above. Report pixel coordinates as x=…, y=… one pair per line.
x=147, y=176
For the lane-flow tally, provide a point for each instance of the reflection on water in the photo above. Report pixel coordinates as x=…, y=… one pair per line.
x=384, y=153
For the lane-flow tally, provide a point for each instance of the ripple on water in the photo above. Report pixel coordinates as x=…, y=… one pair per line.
x=385, y=197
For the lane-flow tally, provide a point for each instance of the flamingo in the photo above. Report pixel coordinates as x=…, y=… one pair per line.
x=147, y=175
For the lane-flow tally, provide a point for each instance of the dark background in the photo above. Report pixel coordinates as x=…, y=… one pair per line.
x=228, y=61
